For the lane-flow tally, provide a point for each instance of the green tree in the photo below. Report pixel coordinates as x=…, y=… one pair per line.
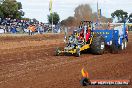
x=56, y=18
x=120, y=15
x=1, y=13
x=130, y=18
x=12, y=9
x=19, y=5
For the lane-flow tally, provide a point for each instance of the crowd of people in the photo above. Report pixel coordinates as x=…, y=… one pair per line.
x=15, y=26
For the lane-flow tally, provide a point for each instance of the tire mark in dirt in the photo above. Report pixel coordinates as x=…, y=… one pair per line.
x=21, y=72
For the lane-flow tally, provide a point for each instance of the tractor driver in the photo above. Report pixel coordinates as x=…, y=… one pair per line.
x=81, y=34
x=87, y=31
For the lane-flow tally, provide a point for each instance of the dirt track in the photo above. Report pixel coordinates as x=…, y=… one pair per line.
x=29, y=62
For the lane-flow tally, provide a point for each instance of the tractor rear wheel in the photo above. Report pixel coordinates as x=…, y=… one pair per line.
x=98, y=45
x=123, y=46
x=114, y=48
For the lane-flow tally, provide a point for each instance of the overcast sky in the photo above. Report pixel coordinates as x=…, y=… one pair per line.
x=39, y=9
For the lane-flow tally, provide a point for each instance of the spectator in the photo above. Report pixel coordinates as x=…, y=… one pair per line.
x=30, y=29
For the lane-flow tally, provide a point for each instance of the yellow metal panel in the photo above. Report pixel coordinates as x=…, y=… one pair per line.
x=87, y=46
x=84, y=47
x=72, y=51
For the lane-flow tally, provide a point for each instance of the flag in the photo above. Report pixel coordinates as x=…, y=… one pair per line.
x=50, y=6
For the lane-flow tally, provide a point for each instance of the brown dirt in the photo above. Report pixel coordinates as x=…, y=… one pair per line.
x=29, y=62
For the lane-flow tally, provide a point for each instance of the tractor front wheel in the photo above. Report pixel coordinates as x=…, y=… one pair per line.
x=114, y=48
x=57, y=52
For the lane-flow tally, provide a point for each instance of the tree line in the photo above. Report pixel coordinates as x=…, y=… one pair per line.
x=13, y=9
x=122, y=16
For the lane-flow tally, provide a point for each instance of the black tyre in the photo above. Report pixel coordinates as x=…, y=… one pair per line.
x=98, y=45
x=85, y=82
x=78, y=53
x=114, y=48
x=123, y=46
